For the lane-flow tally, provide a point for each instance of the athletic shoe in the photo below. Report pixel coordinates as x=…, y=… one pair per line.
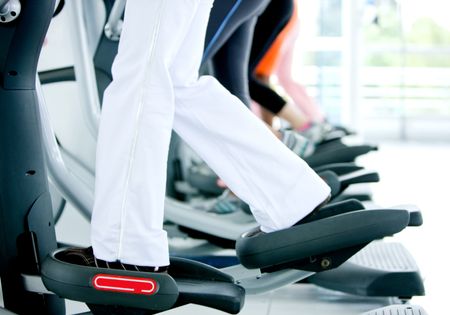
x=297, y=143
x=85, y=257
x=229, y=203
x=316, y=214
x=319, y=132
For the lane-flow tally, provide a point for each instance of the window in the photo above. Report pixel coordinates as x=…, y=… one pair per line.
x=382, y=65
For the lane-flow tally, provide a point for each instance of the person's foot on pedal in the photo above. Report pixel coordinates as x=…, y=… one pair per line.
x=316, y=214
x=85, y=257
x=312, y=216
x=297, y=143
x=228, y=202
x=319, y=132
x=316, y=132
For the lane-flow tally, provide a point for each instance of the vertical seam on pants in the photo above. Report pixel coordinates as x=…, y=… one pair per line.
x=154, y=39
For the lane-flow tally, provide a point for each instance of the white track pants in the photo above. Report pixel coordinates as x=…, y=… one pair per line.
x=156, y=88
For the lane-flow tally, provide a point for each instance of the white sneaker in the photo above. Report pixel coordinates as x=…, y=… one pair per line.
x=297, y=143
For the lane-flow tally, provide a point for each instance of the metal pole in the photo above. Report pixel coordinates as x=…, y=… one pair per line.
x=94, y=19
x=114, y=26
x=403, y=119
x=84, y=67
x=68, y=185
x=351, y=85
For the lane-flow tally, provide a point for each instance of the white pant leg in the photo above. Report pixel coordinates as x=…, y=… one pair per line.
x=134, y=134
x=131, y=168
x=280, y=187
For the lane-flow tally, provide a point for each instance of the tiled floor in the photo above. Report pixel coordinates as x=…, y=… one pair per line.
x=410, y=173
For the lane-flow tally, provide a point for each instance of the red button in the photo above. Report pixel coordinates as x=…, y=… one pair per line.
x=125, y=284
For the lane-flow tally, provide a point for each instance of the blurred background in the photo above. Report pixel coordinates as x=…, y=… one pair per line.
x=382, y=67
x=379, y=65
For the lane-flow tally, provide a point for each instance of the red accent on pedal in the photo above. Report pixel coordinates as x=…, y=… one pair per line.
x=124, y=284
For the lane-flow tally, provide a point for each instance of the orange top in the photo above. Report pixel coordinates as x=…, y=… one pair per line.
x=269, y=63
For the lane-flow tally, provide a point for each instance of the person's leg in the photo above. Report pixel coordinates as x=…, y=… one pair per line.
x=230, y=63
x=284, y=73
x=264, y=95
x=225, y=18
x=295, y=90
x=266, y=115
x=267, y=65
x=280, y=187
x=228, y=43
x=270, y=25
x=256, y=166
x=134, y=135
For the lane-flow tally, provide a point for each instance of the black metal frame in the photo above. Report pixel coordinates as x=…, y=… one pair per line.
x=27, y=233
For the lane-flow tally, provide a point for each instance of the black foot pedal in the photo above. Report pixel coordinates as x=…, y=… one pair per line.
x=380, y=269
x=339, y=168
x=337, y=153
x=398, y=310
x=332, y=181
x=331, y=234
x=360, y=197
x=113, y=291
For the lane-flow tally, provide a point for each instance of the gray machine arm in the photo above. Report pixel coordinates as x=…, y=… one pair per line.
x=114, y=26
x=3, y=3
x=70, y=186
x=255, y=282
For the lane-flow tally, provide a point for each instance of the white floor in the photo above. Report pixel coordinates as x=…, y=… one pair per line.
x=419, y=174
x=410, y=173
x=295, y=299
